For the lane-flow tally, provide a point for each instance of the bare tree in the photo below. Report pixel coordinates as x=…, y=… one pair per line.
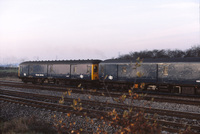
x=194, y=51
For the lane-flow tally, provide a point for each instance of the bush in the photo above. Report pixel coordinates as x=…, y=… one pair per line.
x=30, y=125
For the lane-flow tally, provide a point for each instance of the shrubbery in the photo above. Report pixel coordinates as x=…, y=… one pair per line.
x=8, y=72
x=28, y=125
x=192, y=52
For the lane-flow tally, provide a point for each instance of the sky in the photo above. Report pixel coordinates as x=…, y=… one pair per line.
x=94, y=29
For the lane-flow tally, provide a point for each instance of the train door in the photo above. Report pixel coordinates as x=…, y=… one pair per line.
x=95, y=75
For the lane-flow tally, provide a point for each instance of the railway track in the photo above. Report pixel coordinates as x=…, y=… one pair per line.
x=48, y=102
x=55, y=99
x=189, y=100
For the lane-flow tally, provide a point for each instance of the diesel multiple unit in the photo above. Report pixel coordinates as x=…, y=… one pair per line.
x=59, y=71
x=179, y=75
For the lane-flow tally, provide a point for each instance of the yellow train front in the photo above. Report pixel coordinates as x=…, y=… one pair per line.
x=71, y=72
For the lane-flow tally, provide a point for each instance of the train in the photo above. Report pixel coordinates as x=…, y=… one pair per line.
x=175, y=75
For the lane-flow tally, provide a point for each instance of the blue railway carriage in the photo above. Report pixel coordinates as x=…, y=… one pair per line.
x=68, y=72
x=179, y=75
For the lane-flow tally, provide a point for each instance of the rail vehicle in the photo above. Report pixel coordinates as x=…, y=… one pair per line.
x=176, y=75
x=67, y=72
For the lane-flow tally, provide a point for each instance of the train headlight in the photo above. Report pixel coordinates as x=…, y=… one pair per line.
x=198, y=81
x=110, y=77
x=81, y=76
x=24, y=74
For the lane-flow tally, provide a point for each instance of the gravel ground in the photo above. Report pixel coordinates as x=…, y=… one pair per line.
x=10, y=111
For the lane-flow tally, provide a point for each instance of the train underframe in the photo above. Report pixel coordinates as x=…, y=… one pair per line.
x=159, y=87
x=170, y=88
x=81, y=83
x=174, y=88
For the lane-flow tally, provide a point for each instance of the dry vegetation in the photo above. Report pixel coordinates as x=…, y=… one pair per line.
x=28, y=125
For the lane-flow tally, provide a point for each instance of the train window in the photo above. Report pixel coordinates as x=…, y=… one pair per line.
x=95, y=69
x=74, y=69
x=51, y=68
x=165, y=71
x=102, y=69
x=31, y=69
x=123, y=69
x=88, y=69
x=21, y=68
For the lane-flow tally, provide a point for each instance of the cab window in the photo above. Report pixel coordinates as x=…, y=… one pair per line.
x=95, y=69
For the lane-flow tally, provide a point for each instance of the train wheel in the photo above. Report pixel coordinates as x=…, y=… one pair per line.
x=33, y=82
x=54, y=81
x=41, y=82
x=57, y=82
x=197, y=91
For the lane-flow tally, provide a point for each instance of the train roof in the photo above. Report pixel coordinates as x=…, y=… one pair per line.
x=63, y=62
x=155, y=60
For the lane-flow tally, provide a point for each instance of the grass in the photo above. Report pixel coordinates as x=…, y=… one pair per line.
x=8, y=71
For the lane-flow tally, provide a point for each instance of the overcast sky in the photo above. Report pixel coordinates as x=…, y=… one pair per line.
x=94, y=29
